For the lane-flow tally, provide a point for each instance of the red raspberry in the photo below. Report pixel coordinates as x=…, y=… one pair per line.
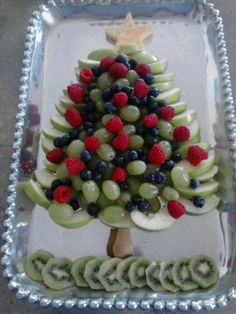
x=106, y=63
x=150, y=120
x=114, y=125
x=167, y=113
x=141, y=89
x=181, y=133
x=142, y=69
x=196, y=154
x=118, y=70
x=120, y=99
x=55, y=156
x=86, y=76
x=62, y=194
x=119, y=174
x=73, y=117
x=176, y=209
x=76, y=93
x=121, y=142
x=74, y=165
x=92, y=143
x=156, y=155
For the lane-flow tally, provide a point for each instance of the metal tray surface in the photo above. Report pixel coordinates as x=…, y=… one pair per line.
x=190, y=34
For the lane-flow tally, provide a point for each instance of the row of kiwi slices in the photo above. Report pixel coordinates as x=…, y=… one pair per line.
x=114, y=274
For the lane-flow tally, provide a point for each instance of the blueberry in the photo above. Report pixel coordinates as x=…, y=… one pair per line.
x=133, y=155
x=154, y=132
x=140, y=153
x=66, y=181
x=152, y=142
x=174, y=145
x=140, y=130
x=162, y=103
x=86, y=175
x=49, y=194
x=55, y=184
x=194, y=183
x=133, y=63
x=87, y=125
x=110, y=107
x=135, y=101
x=143, y=206
x=168, y=165
x=121, y=58
x=176, y=157
x=97, y=176
x=160, y=178
x=149, y=79
x=152, y=106
x=127, y=89
x=66, y=140
x=96, y=71
x=124, y=186
x=91, y=86
x=93, y=209
x=119, y=161
x=57, y=142
x=74, y=204
x=144, y=101
x=90, y=131
x=92, y=117
x=101, y=166
x=90, y=107
x=136, y=199
x=107, y=94
x=87, y=99
x=154, y=91
x=116, y=88
x=198, y=201
x=86, y=156
x=130, y=207
x=151, y=178
x=74, y=134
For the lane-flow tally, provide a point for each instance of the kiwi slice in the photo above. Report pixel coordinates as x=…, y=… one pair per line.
x=108, y=275
x=34, y=264
x=136, y=272
x=152, y=276
x=166, y=278
x=77, y=270
x=91, y=272
x=56, y=273
x=203, y=271
x=181, y=275
x=122, y=271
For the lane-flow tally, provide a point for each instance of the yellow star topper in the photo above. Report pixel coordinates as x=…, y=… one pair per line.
x=129, y=33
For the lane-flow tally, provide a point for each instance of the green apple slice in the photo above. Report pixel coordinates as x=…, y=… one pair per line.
x=183, y=150
x=66, y=102
x=171, y=96
x=205, y=189
x=59, y=123
x=153, y=222
x=165, y=86
x=36, y=194
x=101, y=53
x=194, y=129
x=179, y=106
x=86, y=63
x=44, y=177
x=50, y=166
x=184, y=118
x=159, y=67
x=166, y=77
x=144, y=58
x=64, y=215
x=61, y=110
x=115, y=216
x=211, y=202
x=52, y=133
x=209, y=175
x=65, y=92
x=129, y=49
x=47, y=145
x=202, y=168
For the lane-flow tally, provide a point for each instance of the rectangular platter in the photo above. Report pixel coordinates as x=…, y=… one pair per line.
x=189, y=33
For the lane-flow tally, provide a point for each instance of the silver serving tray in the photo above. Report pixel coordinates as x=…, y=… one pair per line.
x=190, y=34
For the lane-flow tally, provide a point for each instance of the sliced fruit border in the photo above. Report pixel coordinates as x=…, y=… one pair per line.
x=9, y=272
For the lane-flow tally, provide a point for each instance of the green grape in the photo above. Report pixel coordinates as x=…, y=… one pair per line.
x=129, y=129
x=62, y=171
x=77, y=182
x=148, y=191
x=132, y=77
x=166, y=129
x=75, y=148
x=106, y=152
x=103, y=135
x=100, y=106
x=105, y=80
x=150, y=169
x=95, y=95
x=136, y=167
x=90, y=191
x=108, y=172
x=155, y=205
x=134, y=184
x=111, y=189
x=122, y=82
x=82, y=201
x=180, y=177
x=114, y=214
x=136, y=142
x=106, y=117
x=82, y=135
x=166, y=148
x=103, y=201
x=170, y=194
x=130, y=113
x=124, y=198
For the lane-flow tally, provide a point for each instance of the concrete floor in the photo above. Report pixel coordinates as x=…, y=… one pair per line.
x=14, y=15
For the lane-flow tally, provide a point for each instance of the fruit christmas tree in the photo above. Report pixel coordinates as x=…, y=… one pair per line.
x=123, y=147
